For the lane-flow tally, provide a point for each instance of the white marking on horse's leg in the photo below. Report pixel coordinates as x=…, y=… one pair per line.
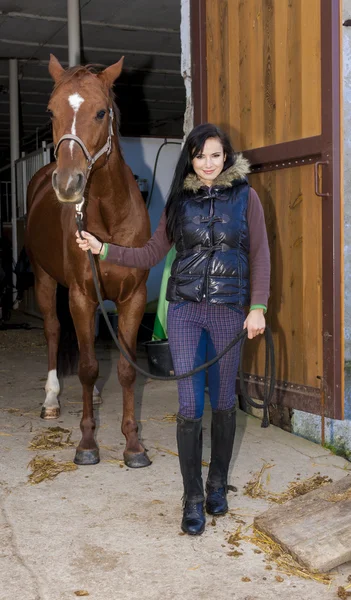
x=96, y=396
x=75, y=100
x=52, y=389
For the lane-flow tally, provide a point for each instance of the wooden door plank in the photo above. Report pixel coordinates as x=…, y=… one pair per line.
x=311, y=115
x=233, y=125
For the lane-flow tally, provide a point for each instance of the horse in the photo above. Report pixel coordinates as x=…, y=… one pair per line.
x=91, y=177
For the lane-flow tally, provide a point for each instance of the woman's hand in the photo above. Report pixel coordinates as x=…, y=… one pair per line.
x=255, y=323
x=88, y=243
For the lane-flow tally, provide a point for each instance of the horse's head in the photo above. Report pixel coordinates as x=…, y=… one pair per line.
x=82, y=111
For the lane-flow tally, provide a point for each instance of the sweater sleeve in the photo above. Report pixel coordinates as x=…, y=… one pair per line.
x=142, y=258
x=259, y=251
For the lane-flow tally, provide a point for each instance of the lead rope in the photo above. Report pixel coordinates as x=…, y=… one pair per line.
x=241, y=337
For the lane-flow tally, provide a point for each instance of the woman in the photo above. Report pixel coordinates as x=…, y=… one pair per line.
x=222, y=266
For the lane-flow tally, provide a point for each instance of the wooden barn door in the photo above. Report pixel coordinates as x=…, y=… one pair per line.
x=268, y=72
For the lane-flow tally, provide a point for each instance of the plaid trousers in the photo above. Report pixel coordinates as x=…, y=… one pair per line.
x=196, y=333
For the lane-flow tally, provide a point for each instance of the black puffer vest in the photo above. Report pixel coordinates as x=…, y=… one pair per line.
x=212, y=240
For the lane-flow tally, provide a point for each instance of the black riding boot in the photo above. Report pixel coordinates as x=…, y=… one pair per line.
x=189, y=439
x=222, y=440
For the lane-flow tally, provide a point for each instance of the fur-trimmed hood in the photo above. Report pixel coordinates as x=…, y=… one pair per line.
x=239, y=170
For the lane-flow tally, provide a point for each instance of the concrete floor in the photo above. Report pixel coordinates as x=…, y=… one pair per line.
x=114, y=532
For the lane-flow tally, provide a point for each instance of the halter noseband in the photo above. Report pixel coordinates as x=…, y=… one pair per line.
x=90, y=159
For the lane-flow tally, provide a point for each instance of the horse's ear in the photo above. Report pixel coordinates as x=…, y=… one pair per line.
x=55, y=69
x=110, y=74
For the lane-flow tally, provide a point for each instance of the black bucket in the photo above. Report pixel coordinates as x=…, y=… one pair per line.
x=159, y=358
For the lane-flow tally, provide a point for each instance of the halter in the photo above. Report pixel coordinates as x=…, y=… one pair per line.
x=90, y=159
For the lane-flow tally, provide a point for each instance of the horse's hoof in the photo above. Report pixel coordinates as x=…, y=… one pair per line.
x=87, y=457
x=50, y=412
x=136, y=460
x=97, y=400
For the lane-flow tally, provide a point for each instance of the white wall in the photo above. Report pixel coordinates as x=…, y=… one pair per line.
x=140, y=155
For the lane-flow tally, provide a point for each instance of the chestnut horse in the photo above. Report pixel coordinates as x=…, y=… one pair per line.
x=90, y=175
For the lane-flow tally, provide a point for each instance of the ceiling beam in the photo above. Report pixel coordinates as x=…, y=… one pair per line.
x=44, y=63
x=147, y=100
x=90, y=48
x=28, y=118
x=32, y=127
x=142, y=85
x=36, y=116
x=28, y=131
x=164, y=110
x=25, y=93
x=26, y=103
x=22, y=15
x=152, y=100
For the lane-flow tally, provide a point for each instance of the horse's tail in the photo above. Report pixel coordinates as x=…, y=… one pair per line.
x=68, y=351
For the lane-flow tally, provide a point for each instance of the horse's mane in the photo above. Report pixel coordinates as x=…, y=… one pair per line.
x=81, y=71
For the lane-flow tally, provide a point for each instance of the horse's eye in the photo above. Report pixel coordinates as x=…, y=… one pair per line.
x=100, y=115
x=51, y=114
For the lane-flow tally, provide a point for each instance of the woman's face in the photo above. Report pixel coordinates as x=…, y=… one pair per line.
x=209, y=164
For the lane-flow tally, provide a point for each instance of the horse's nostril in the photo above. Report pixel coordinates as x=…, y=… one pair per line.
x=54, y=180
x=80, y=180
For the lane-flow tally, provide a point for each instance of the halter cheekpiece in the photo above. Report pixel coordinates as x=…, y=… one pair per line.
x=90, y=159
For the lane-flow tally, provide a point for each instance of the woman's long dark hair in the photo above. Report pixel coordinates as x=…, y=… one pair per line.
x=193, y=146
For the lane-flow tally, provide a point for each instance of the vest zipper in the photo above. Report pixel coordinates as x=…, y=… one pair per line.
x=210, y=255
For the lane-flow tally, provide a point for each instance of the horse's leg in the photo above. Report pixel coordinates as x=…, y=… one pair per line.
x=83, y=312
x=96, y=396
x=45, y=291
x=129, y=319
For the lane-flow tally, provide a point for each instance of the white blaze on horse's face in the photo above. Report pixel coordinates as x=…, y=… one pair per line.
x=75, y=101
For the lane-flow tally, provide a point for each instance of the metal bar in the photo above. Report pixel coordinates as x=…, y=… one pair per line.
x=73, y=21
x=331, y=216
x=91, y=48
x=46, y=152
x=14, y=148
x=199, y=60
x=152, y=100
x=305, y=398
x=23, y=15
x=28, y=93
x=24, y=184
x=284, y=164
x=285, y=152
x=25, y=93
